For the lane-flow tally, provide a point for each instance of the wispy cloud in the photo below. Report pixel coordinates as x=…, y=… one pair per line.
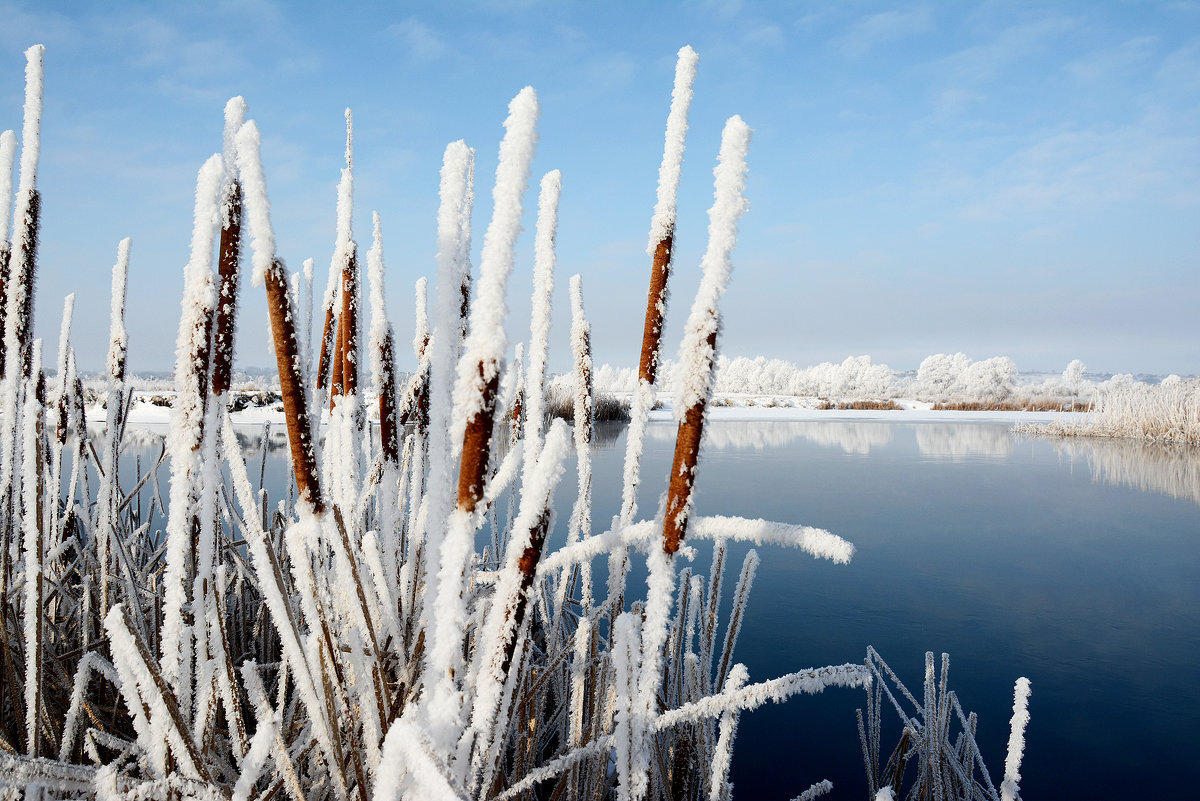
x=1067, y=169
x=878, y=29
x=1010, y=45
x=1110, y=62
x=420, y=41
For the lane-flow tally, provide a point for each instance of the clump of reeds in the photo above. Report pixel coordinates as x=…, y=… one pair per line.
x=936, y=756
x=863, y=405
x=1166, y=412
x=1031, y=405
x=349, y=640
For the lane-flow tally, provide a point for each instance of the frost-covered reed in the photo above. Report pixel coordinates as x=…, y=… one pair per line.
x=387, y=629
x=1167, y=412
x=937, y=739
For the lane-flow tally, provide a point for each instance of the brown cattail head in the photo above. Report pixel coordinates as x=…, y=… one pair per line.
x=656, y=309
x=26, y=267
x=227, y=293
x=477, y=440
x=585, y=396
x=465, y=307
x=348, y=323
x=5, y=251
x=527, y=564
x=327, y=339
x=389, y=442
x=338, y=363
x=295, y=407
x=683, y=469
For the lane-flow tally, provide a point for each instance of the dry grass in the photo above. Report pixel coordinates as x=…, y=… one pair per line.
x=1012, y=406
x=868, y=404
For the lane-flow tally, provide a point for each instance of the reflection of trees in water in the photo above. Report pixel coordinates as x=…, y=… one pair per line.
x=856, y=438
x=251, y=441
x=1165, y=468
x=605, y=435
x=960, y=441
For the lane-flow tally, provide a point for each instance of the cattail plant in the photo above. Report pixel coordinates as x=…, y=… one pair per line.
x=8, y=150
x=349, y=640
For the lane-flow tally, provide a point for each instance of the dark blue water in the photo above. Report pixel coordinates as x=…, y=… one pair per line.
x=1074, y=564
x=1016, y=556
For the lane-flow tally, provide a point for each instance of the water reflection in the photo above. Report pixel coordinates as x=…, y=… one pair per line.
x=1164, y=468
x=958, y=442
x=851, y=437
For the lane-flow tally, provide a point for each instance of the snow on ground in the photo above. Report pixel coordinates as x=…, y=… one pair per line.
x=741, y=408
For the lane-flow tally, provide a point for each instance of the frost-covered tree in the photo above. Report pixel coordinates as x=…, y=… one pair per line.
x=939, y=372
x=1073, y=376
x=988, y=380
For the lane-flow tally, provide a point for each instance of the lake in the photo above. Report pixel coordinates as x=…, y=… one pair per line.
x=1075, y=564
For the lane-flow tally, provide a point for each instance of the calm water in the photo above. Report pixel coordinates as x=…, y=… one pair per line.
x=1074, y=564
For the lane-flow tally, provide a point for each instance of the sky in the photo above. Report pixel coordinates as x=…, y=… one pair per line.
x=998, y=178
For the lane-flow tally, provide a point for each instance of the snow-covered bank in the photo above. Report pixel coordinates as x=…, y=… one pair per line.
x=152, y=411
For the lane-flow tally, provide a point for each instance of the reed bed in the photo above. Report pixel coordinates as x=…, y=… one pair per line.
x=388, y=628
x=1168, y=412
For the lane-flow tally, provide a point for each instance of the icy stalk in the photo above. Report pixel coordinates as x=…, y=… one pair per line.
x=698, y=351
x=269, y=271
x=383, y=356
x=662, y=239
x=117, y=347
x=539, y=324
x=229, y=254
x=188, y=525
x=18, y=316
x=8, y=151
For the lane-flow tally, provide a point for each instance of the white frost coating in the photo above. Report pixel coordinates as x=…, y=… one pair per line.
x=815, y=541
x=92, y=661
x=741, y=597
x=421, y=328
x=626, y=656
x=439, y=496
x=539, y=320
x=719, y=787
x=663, y=222
x=257, y=207
x=501, y=625
x=660, y=589
x=504, y=473
x=379, y=321
x=809, y=682
x=345, y=198
x=235, y=117
x=884, y=794
x=187, y=418
x=579, y=665
x=693, y=376
x=408, y=769
x=581, y=514
x=256, y=759
x=271, y=587
x=31, y=526
x=1016, y=740
x=823, y=787
x=31, y=133
x=119, y=340
x=8, y=152
x=487, y=339
x=64, y=341
x=136, y=678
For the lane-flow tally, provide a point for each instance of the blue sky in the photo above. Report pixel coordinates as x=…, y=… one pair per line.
x=999, y=178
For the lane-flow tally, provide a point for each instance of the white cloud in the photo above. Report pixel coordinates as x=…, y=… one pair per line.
x=421, y=41
x=889, y=26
